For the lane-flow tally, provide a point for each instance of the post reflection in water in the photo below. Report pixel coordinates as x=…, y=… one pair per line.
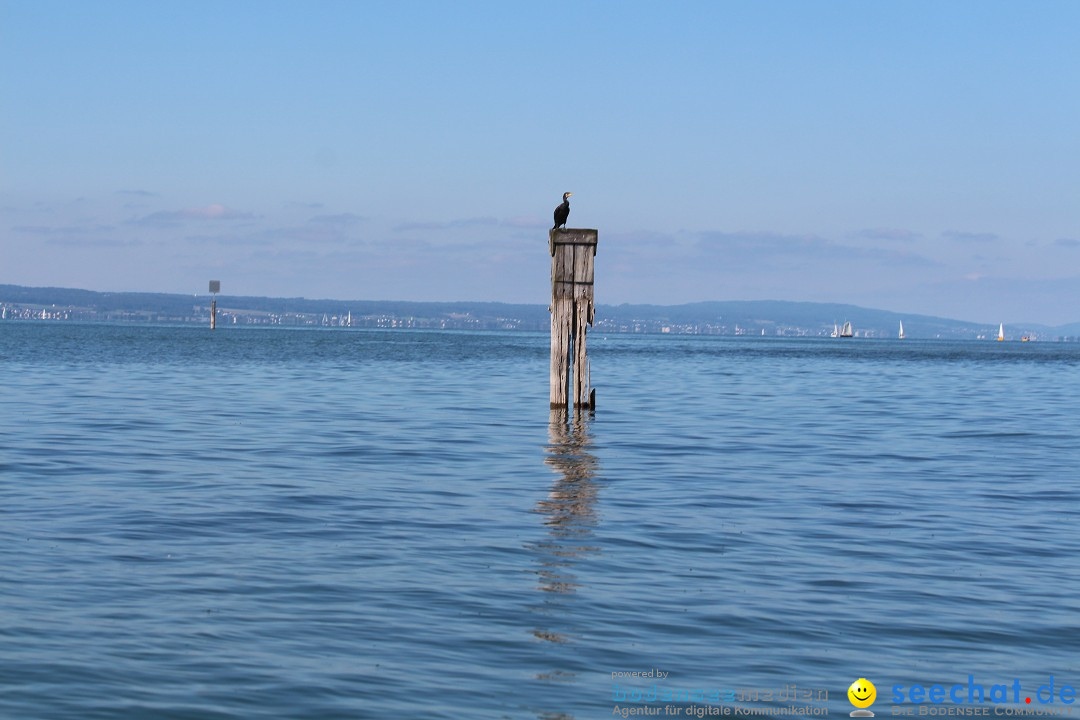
x=569, y=512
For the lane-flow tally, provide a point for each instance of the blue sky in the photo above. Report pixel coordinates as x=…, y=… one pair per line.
x=914, y=156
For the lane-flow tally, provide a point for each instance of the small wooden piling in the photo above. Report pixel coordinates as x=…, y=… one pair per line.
x=572, y=311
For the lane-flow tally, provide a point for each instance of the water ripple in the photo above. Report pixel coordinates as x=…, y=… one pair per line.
x=261, y=524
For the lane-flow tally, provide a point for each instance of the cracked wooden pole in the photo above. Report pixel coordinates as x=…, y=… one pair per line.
x=572, y=311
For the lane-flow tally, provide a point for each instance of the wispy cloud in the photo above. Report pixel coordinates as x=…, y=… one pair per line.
x=449, y=225
x=527, y=222
x=888, y=234
x=329, y=230
x=89, y=236
x=1067, y=242
x=93, y=241
x=339, y=220
x=228, y=240
x=62, y=230
x=765, y=243
x=167, y=218
x=767, y=247
x=138, y=193
x=753, y=251
x=970, y=237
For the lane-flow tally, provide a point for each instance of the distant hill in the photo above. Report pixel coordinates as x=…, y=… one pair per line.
x=165, y=303
x=774, y=317
x=778, y=317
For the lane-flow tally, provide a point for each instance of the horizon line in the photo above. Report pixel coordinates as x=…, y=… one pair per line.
x=899, y=314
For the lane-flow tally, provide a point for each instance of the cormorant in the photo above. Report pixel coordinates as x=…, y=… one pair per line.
x=563, y=211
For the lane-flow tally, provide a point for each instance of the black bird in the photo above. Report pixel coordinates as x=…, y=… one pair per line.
x=563, y=211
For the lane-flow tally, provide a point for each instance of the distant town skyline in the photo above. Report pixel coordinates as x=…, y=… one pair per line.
x=917, y=157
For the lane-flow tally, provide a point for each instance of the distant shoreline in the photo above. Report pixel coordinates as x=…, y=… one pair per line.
x=772, y=318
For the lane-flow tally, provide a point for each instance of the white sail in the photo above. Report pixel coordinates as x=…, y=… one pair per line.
x=1001, y=332
x=901, y=329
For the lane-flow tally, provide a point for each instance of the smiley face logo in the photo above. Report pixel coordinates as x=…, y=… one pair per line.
x=862, y=694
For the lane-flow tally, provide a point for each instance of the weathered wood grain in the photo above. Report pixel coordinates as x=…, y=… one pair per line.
x=572, y=311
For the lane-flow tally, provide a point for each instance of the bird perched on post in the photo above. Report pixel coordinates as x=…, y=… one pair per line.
x=563, y=211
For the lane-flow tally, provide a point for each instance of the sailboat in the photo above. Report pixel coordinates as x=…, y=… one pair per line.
x=835, y=330
x=901, y=329
x=1001, y=332
x=846, y=330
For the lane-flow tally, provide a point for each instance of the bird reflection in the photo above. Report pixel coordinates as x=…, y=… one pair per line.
x=569, y=516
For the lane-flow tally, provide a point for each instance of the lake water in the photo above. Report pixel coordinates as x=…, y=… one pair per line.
x=362, y=524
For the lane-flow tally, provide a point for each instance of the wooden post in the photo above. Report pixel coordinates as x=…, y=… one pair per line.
x=215, y=288
x=572, y=311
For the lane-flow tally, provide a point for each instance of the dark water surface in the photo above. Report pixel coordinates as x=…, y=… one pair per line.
x=360, y=524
